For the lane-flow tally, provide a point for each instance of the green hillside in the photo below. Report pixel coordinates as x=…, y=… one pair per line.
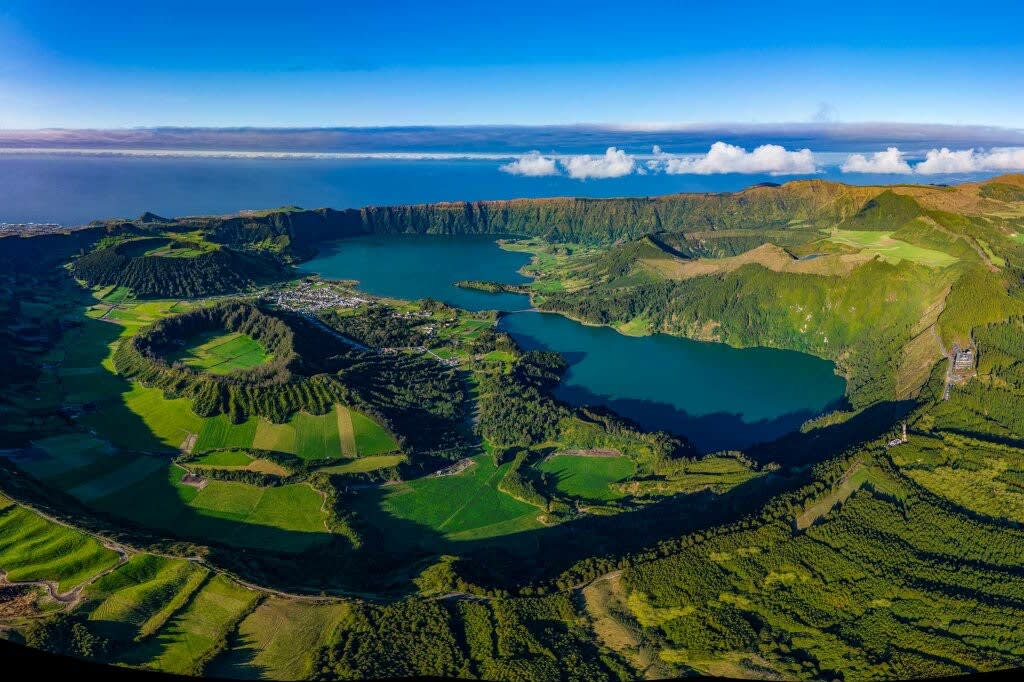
x=205, y=472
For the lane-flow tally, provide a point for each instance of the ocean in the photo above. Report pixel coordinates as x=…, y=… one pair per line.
x=70, y=189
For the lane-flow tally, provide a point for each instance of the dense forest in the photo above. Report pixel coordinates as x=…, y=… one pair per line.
x=214, y=272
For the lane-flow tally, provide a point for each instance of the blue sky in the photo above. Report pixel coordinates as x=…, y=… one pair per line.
x=128, y=64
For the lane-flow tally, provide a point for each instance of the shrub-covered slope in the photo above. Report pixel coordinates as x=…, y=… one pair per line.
x=214, y=272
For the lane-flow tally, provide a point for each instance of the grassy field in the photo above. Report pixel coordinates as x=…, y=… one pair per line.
x=365, y=464
x=181, y=249
x=717, y=474
x=316, y=437
x=136, y=600
x=220, y=353
x=147, y=489
x=225, y=458
x=279, y=640
x=156, y=422
x=891, y=250
x=114, y=294
x=346, y=432
x=370, y=437
x=465, y=506
x=236, y=459
x=152, y=420
x=285, y=518
x=218, y=432
x=588, y=477
x=32, y=548
x=196, y=631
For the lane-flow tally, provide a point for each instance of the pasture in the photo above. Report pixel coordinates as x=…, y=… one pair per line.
x=157, y=422
x=32, y=548
x=279, y=640
x=370, y=437
x=224, y=458
x=220, y=353
x=346, y=432
x=181, y=249
x=499, y=356
x=891, y=250
x=147, y=489
x=236, y=459
x=195, y=632
x=284, y=518
x=136, y=600
x=365, y=464
x=588, y=478
x=114, y=294
x=465, y=506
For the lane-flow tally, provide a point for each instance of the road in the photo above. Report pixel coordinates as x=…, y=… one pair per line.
x=335, y=333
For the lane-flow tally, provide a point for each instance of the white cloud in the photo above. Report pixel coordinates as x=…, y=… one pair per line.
x=727, y=158
x=941, y=161
x=889, y=161
x=945, y=161
x=614, y=164
x=533, y=165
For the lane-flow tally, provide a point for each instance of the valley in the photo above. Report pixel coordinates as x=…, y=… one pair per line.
x=653, y=437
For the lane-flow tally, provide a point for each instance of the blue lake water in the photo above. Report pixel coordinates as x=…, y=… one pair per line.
x=720, y=397
x=413, y=267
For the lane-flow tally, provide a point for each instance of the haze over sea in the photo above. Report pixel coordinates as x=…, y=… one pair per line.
x=72, y=177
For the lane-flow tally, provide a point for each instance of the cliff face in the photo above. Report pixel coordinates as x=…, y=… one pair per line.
x=803, y=204
x=296, y=232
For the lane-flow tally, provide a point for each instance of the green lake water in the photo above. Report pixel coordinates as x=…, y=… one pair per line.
x=719, y=397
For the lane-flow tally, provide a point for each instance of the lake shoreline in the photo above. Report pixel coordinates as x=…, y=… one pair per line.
x=718, y=395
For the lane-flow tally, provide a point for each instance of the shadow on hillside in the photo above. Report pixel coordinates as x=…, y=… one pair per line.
x=709, y=432
x=153, y=503
x=393, y=551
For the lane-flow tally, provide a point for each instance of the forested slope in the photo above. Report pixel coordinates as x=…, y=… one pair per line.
x=215, y=272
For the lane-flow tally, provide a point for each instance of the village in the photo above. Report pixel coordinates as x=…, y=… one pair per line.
x=311, y=296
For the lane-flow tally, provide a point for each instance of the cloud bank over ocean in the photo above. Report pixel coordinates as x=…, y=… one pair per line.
x=579, y=152
x=772, y=159
x=889, y=161
x=518, y=140
x=939, y=162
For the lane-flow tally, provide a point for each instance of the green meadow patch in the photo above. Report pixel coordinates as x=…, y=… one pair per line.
x=142, y=594
x=32, y=548
x=316, y=436
x=284, y=518
x=891, y=250
x=155, y=421
x=588, y=477
x=370, y=437
x=346, y=432
x=225, y=458
x=280, y=640
x=365, y=464
x=464, y=506
x=220, y=353
x=195, y=632
x=218, y=432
